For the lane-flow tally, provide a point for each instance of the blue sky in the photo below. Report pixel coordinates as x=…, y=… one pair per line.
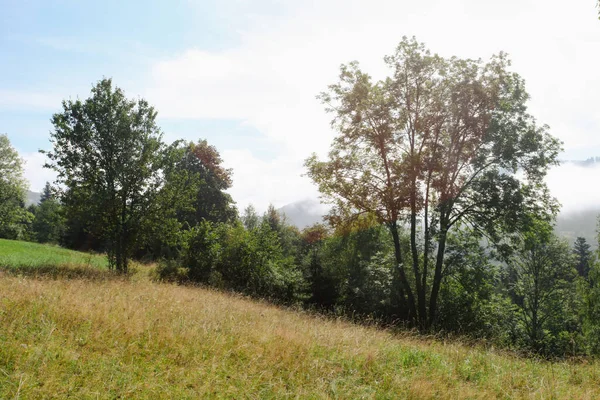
x=60, y=48
x=244, y=73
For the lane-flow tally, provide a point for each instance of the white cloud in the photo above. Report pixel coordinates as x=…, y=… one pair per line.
x=261, y=182
x=11, y=100
x=286, y=58
x=35, y=172
x=575, y=187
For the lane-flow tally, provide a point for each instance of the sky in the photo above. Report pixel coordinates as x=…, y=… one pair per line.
x=244, y=74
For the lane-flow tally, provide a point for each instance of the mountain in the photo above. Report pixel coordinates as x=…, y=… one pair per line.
x=32, y=198
x=589, y=163
x=304, y=213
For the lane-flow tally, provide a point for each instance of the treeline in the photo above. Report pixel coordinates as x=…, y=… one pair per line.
x=441, y=218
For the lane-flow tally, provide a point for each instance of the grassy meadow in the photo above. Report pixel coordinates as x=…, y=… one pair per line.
x=25, y=254
x=135, y=338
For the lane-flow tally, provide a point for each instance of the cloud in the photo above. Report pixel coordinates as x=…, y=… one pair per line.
x=261, y=182
x=285, y=58
x=35, y=172
x=575, y=187
x=14, y=100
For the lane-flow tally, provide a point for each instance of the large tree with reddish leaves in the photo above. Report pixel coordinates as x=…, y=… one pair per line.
x=441, y=142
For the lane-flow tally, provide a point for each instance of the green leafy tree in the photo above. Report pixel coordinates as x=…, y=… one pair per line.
x=229, y=256
x=211, y=202
x=250, y=218
x=48, y=224
x=324, y=286
x=288, y=235
x=14, y=218
x=108, y=154
x=543, y=288
x=438, y=143
x=591, y=304
x=193, y=193
x=470, y=300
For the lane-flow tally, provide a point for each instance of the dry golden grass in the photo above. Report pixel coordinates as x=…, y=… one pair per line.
x=139, y=339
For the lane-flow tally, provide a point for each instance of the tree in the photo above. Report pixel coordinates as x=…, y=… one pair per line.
x=48, y=224
x=193, y=193
x=289, y=235
x=211, y=202
x=542, y=285
x=437, y=144
x=13, y=215
x=591, y=304
x=250, y=218
x=582, y=251
x=108, y=153
x=470, y=300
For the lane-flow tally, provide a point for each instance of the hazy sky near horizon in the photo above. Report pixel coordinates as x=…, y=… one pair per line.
x=244, y=73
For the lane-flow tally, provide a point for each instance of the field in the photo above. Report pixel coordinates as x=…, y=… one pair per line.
x=133, y=338
x=24, y=254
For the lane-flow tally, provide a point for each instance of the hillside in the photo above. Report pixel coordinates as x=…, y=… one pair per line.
x=16, y=254
x=109, y=338
x=304, y=213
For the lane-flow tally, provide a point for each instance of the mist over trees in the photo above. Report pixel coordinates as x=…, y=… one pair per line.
x=441, y=219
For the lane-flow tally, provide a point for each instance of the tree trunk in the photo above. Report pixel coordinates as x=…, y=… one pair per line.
x=437, y=278
x=405, y=287
x=422, y=307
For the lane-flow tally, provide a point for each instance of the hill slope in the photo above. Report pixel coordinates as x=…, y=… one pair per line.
x=138, y=339
x=15, y=253
x=304, y=213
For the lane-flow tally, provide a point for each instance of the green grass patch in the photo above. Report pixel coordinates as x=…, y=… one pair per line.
x=24, y=255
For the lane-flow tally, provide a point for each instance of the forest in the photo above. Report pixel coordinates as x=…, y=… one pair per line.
x=441, y=222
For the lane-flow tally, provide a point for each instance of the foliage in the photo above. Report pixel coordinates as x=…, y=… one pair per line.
x=441, y=217
x=542, y=285
x=211, y=202
x=439, y=142
x=471, y=299
x=589, y=291
x=193, y=193
x=229, y=256
x=14, y=218
x=583, y=253
x=250, y=218
x=108, y=154
x=48, y=225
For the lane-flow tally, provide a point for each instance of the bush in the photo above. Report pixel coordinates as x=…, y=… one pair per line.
x=229, y=256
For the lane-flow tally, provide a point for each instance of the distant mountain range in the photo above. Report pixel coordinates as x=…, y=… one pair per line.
x=304, y=213
x=590, y=162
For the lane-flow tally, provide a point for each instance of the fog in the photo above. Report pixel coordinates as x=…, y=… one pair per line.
x=576, y=187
